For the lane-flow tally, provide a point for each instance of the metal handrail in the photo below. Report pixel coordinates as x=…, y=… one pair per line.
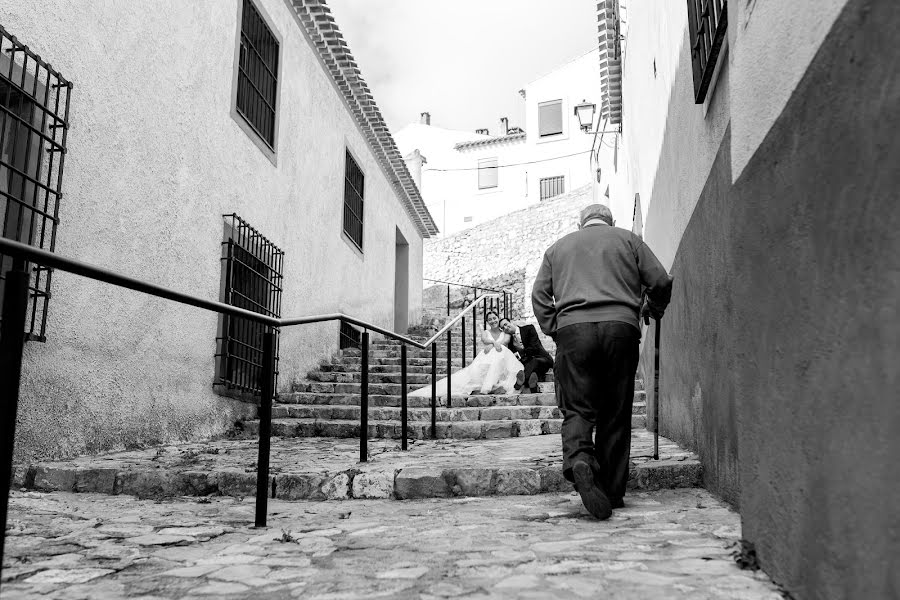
x=479, y=300
x=12, y=342
x=463, y=285
x=69, y=265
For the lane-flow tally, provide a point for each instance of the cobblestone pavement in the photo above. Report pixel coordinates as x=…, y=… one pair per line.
x=325, y=468
x=666, y=544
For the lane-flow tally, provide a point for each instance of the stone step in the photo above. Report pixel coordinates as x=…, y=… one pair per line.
x=418, y=402
x=328, y=387
x=410, y=362
x=416, y=430
x=327, y=469
x=333, y=412
x=390, y=368
x=544, y=399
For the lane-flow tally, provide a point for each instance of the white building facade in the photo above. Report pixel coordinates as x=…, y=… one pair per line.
x=761, y=142
x=469, y=178
x=206, y=143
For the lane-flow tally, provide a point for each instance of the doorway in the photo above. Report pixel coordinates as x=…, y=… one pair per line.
x=401, y=284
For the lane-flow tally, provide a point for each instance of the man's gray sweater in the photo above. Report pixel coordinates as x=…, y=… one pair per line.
x=597, y=274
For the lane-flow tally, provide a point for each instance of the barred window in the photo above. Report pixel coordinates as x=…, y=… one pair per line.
x=707, y=21
x=487, y=173
x=354, y=192
x=257, y=74
x=552, y=186
x=550, y=120
x=349, y=336
x=252, y=273
x=34, y=115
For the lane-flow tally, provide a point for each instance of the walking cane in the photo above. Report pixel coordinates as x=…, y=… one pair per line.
x=656, y=393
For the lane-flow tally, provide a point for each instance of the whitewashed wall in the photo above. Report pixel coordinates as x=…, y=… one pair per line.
x=450, y=177
x=154, y=160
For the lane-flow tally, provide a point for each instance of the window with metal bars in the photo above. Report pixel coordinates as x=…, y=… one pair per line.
x=34, y=122
x=349, y=336
x=707, y=21
x=257, y=75
x=252, y=273
x=552, y=186
x=354, y=192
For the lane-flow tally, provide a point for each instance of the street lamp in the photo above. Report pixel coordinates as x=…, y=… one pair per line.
x=585, y=113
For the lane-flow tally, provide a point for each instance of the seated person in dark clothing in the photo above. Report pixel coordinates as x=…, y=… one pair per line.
x=536, y=360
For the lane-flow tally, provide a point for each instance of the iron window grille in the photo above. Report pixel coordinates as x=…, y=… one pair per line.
x=349, y=336
x=552, y=186
x=252, y=271
x=34, y=122
x=257, y=74
x=487, y=173
x=707, y=21
x=550, y=120
x=354, y=190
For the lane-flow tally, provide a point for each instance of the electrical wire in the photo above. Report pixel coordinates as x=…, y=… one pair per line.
x=514, y=164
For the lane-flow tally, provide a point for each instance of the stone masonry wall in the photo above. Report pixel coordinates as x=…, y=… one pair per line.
x=506, y=253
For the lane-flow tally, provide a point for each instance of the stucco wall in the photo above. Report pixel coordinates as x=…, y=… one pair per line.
x=817, y=326
x=450, y=177
x=697, y=371
x=506, y=245
x=774, y=43
x=154, y=160
x=784, y=334
x=663, y=128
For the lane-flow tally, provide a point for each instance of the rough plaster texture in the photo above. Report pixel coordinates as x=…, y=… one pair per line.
x=154, y=160
x=696, y=360
x=662, y=125
x=766, y=34
x=782, y=344
x=816, y=322
x=506, y=245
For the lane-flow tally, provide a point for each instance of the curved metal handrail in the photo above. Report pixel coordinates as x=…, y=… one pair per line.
x=69, y=265
x=463, y=285
x=11, y=347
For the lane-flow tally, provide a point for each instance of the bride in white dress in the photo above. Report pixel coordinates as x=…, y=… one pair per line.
x=493, y=370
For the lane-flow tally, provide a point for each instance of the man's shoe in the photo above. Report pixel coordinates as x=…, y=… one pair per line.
x=520, y=379
x=533, y=381
x=593, y=498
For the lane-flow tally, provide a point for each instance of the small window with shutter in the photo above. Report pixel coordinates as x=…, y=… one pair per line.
x=550, y=119
x=487, y=173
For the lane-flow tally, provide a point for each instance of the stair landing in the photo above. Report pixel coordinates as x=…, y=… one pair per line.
x=328, y=469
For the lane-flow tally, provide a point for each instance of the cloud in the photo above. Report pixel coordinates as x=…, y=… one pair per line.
x=463, y=61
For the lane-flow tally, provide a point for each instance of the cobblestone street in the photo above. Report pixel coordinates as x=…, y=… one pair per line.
x=664, y=544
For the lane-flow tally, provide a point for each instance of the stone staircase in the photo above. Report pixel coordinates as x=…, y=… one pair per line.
x=326, y=403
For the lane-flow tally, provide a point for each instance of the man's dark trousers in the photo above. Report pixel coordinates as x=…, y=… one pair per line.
x=536, y=364
x=594, y=373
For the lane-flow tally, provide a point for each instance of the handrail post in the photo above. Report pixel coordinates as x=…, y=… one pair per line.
x=403, y=400
x=434, y=390
x=474, y=334
x=449, y=365
x=462, y=340
x=448, y=299
x=364, y=401
x=12, y=343
x=265, y=426
x=656, y=392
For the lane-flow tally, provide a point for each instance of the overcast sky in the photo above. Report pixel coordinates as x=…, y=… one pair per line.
x=463, y=61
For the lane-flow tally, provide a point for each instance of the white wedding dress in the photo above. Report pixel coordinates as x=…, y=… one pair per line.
x=488, y=372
